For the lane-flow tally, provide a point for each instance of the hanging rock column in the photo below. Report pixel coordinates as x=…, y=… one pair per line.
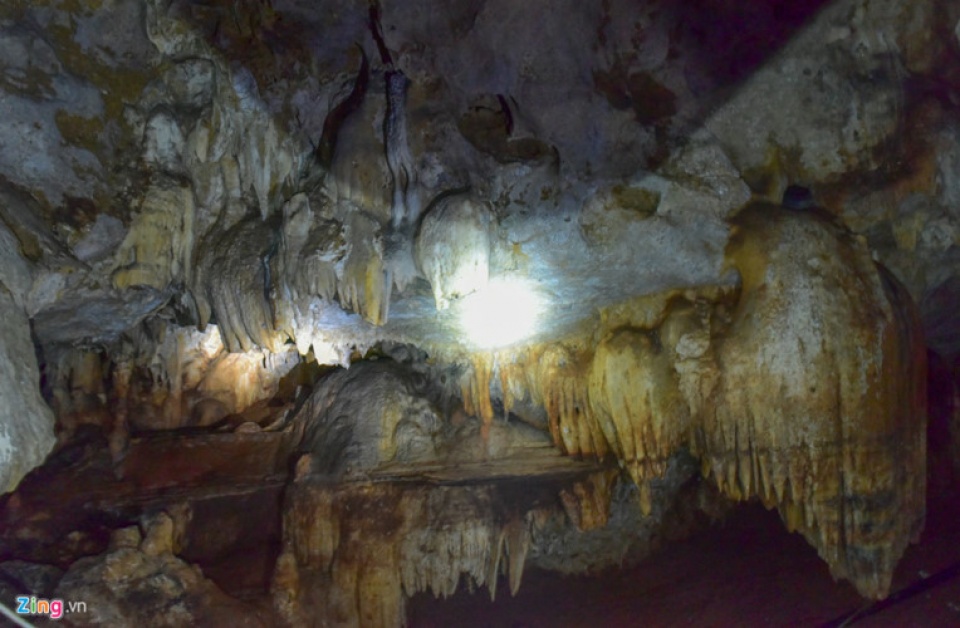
x=821, y=405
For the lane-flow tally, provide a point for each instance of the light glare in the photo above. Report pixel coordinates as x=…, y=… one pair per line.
x=502, y=313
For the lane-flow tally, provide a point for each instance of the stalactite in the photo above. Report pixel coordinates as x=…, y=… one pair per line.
x=363, y=284
x=635, y=397
x=452, y=247
x=119, y=436
x=804, y=388
x=405, y=207
x=172, y=356
x=161, y=378
x=559, y=383
x=818, y=408
x=159, y=246
x=79, y=396
x=478, y=395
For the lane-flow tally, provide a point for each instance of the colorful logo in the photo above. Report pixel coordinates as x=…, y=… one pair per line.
x=54, y=609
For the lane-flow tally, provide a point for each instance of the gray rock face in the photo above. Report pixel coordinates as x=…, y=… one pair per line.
x=26, y=421
x=367, y=416
x=629, y=535
x=101, y=240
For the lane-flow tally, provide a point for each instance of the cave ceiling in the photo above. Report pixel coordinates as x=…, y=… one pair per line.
x=600, y=149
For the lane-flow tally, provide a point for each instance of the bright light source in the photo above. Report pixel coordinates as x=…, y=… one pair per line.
x=502, y=313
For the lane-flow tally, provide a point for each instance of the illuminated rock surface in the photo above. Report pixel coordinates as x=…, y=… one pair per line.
x=26, y=422
x=437, y=292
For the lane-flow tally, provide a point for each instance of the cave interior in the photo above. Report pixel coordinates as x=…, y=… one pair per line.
x=480, y=312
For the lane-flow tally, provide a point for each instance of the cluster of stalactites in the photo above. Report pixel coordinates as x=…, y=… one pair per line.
x=221, y=216
x=256, y=230
x=624, y=397
x=163, y=376
x=354, y=553
x=804, y=389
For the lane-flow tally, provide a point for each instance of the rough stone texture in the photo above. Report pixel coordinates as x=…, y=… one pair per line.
x=30, y=578
x=787, y=389
x=838, y=83
x=453, y=249
x=26, y=421
x=640, y=519
x=199, y=118
x=367, y=416
x=839, y=343
x=294, y=174
x=148, y=585
x=388, y=418
x=190, y=113
x=183, y=378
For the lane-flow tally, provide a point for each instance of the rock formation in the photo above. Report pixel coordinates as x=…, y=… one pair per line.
x=437, y=291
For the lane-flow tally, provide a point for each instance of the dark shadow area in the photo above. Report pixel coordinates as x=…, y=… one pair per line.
x=730, y=40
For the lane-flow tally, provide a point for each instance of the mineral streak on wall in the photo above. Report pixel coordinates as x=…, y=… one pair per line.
x=804, y=388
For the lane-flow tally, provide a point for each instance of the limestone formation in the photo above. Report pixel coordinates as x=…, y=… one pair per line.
x=453, y=248
x=836, y=377
x=787, y=390
x=26, y=422
x=141, y=582
x=251, y=260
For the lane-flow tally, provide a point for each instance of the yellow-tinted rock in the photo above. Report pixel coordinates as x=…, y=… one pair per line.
x=805, y=390
x=820, y=407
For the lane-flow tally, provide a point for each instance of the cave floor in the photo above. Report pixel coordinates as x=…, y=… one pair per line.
x=746, y=571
